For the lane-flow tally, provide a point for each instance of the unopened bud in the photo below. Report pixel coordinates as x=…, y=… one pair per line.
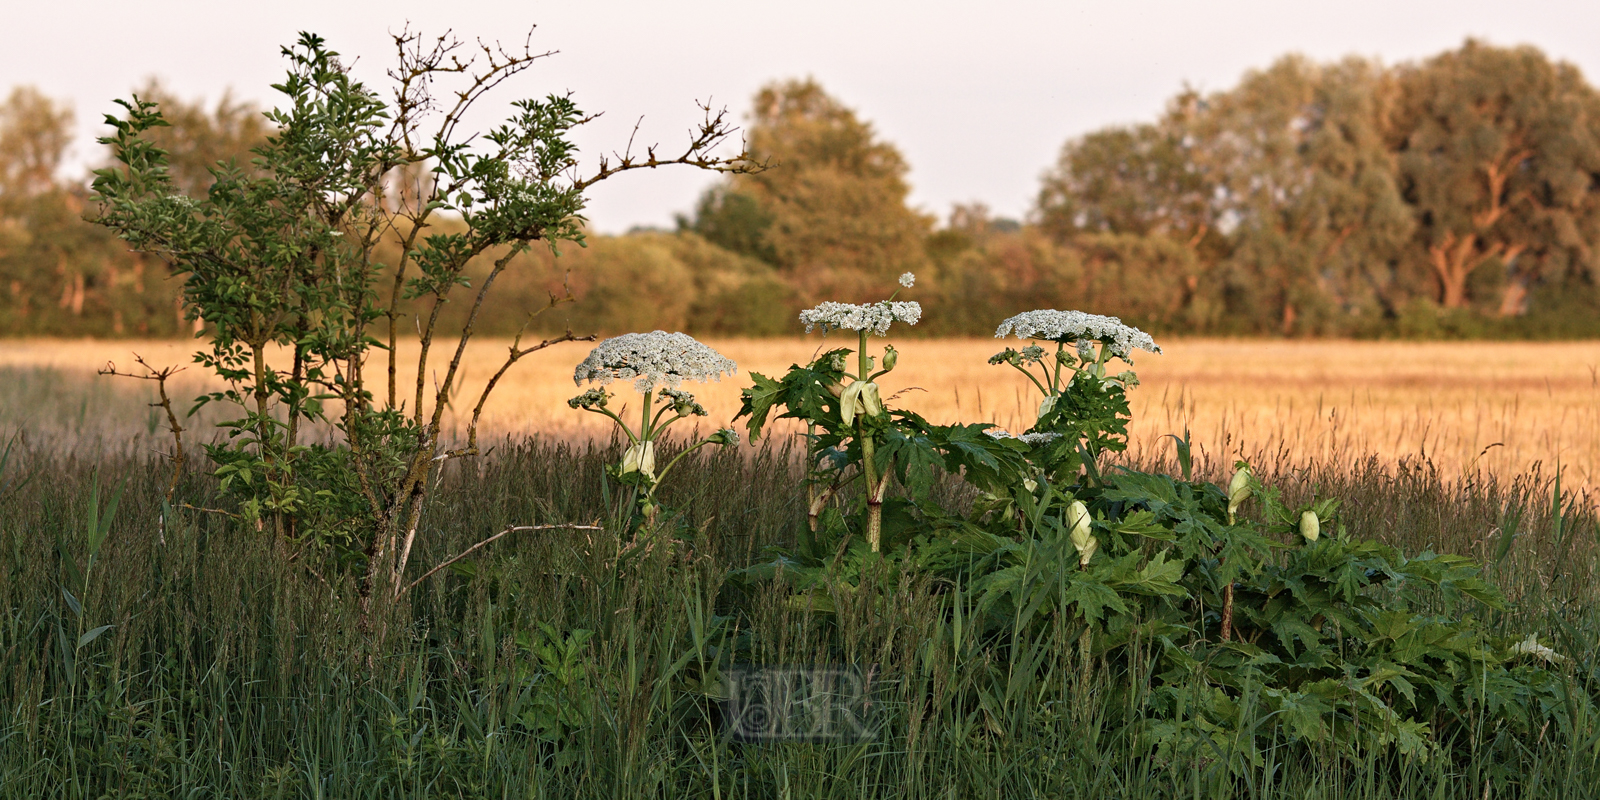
x=1310, y=526
x=1078, y=525
x=1238, y=489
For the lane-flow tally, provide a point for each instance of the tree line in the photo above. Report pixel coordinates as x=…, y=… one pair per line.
x=1450, y=197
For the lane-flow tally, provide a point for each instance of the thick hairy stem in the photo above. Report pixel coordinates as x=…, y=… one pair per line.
x=1227, y=612
x=868, y=468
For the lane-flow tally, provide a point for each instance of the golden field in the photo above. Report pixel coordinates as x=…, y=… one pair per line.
x=1496, y=406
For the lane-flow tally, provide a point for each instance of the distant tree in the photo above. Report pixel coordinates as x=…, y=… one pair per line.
x=732, y=220
x=831, y=211
x=198, y=139
x=1304, y=177
x=1499, y=156
x=1141, y=180
x=34, y=134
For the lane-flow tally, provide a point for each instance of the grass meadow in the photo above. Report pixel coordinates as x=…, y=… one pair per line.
x=567, y=664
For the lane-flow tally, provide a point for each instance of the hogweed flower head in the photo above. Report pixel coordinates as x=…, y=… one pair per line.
x=726, y=437
x=594, y=398
x=1078, y=327
x=652, y=358
x=873, y=317
x=683, y=402
x=908, y=280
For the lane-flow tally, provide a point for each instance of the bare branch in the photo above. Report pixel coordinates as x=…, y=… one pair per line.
x=469, y=551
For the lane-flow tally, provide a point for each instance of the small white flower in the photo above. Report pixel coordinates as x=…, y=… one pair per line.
x=907, y=280
x=651, y=358
x=1039, y=438
x=1076, y=326
x=874, y=317
x=999, y=433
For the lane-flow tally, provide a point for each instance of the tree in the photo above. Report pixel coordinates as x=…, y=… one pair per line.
x=1142, y=180
x=831, y=212
x=1113, y=187
x=197, y=140
x=1306, y=180
x=1499, y=155
x=34, y=134
x=279, y=262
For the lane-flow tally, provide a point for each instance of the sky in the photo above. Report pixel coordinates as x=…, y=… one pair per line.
x=979, y=97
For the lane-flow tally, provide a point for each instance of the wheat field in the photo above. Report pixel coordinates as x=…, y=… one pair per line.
x=1504, y=407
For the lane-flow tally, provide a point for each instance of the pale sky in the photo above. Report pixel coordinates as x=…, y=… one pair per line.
x=979, y=97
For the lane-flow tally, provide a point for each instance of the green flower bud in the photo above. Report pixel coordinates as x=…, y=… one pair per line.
x=1310, y=526
x=1238, y=490
x=891, y=357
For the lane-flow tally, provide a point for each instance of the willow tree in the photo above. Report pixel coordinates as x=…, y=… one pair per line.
x=1299, y=153
x=1499, y=157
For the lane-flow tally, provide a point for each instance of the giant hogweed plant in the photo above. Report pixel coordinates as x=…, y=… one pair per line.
x=855, y=440
x=280, y=267
x=1249, y=617
x=650, y=360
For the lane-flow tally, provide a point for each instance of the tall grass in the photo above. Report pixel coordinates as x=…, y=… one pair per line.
x=571, y=664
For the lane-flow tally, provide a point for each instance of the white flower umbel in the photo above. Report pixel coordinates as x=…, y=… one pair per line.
x=908, y=280
x=875, y=318
x=652, y=358
x=649, y=360
x=1084, y=343
x=1076, y=326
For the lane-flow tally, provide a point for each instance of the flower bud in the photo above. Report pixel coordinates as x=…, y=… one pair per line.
x=640, y=458
x=891, y=357
x=1078, y=522
x=1310, y=526
x=849, y=400
x=1030, y=484
x=1048, y=405
x=871, y=403
x=1238, y=490
x=726, y=437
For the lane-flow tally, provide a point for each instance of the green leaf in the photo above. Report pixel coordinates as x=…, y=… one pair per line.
x=90, y=636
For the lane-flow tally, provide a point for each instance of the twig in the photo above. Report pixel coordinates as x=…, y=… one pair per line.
x=177, y=456
x=512, y=529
